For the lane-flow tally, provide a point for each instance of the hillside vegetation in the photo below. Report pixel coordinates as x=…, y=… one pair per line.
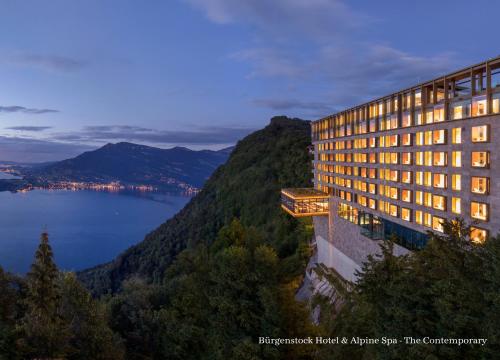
x=247, y=187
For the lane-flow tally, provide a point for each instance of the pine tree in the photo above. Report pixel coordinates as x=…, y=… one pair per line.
x=43, y=333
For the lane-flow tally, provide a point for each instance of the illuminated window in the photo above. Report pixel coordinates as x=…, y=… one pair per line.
x=393, y=210
x=406, y=177
x=439, y=181
x=406, y=158
x=479, y=106
x=427, y=219
x=418, y=98
x=406, y=195
x=419, y=178
x=419, y=197
x=479, y=210
x=418, y=117
x=406, y=214
x=495, y=103
x=456, y=158
x=419, y=138
x=456, y=135
x=439, y=202
x=439, y=137
x=419, y=158
x=372, y=204
x=480, y=133
x=439, y=113
x=406, y=120
x=427, y=178
x=478, y=235
x=440, y=158
x=428, y=138
x=372, y=188
x=418, y=217
x=456, y=205
x=480, y=159
x=394, y=193
x=394, y=175
x=457, y=112
x=479, y=185
x=427, y=199
x=406, y=139
x=437, y=223
x=456, y=182
x=428, y=158
x=373, y=142
x=429, y=117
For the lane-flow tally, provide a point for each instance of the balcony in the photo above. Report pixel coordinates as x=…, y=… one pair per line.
x=301, y=202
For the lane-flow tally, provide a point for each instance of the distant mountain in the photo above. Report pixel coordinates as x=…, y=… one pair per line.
x=246, y=187
x=133, y=164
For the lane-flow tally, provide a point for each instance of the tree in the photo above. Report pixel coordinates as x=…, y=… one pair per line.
x=43, y=332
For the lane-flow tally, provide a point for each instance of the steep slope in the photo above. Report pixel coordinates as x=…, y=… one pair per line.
x=136, y=164
x=247, y=187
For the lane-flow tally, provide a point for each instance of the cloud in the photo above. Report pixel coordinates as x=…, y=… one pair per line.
x=28, y=150
x=29, y=128
x=47, y=62
x=294, y=104
x=22, y=109
x=111, y=133
x=318, y=18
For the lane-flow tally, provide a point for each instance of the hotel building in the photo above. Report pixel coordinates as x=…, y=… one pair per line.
x=403, y=163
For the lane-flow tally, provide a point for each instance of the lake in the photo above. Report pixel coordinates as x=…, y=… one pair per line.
x=85, y=228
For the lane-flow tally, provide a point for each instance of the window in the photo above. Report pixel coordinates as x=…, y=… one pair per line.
x=428, y=138
x=480, y=133
x=456, y=158
x=480, y=159
x=406, y=120
x=429, y=117
x=418, y=217
x=479, y=185
x=439, y=181
x=428, y=158
x=406, y=177
x=456, y=136
x=457, y=112
x=427, y=199
x=419, y=138
x=460, y=110
x=479, y=210
x=439, y=137
x=479, y=105
x=393, y=210
x=478, y=235
x=405, y=214
x=439, y=202
x=406, y=139
x=406, y=195
x=437, y=224
x=456, y=205
x=456, y=182
x=394, y=193
x=419, y=158
x=427, y=219
x=418, y=98
x=406, y=158
x=439, y=113
x=372, y=204
x=439, y=158
x=495, y=103
x=419, y=197
x=419, y=178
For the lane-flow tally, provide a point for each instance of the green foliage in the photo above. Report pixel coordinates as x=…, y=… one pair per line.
x=449, y=289
x=50, y=315
x=247, y=187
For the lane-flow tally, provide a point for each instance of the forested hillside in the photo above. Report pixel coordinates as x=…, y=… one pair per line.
x=247, y=187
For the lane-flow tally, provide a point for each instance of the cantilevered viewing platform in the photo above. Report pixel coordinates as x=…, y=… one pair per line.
x=300, y=202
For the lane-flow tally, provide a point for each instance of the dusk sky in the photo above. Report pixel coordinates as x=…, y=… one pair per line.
x=75, y=75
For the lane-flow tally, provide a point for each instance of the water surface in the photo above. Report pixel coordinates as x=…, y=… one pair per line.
x=85, y=228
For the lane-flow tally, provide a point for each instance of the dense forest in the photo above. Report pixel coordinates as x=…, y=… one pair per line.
x=224, y=272
x=246, y=187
